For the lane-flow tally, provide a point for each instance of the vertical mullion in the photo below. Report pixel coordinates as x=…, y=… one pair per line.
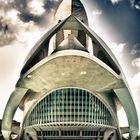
x=46, y=107
x=55, y=106
x=92, y=108
x=85, y=106
x=43, y=111
x=105, y=116
x=74, y=94
x=78, y=105
x=38, y=105
x=89, y=107
x=63, y=104
x=59, y=105
x=52, y=107
x=36, y=119
x=100, y=112
x=82, y=106
x=66, y=105
x=95, y=112
x=40, y=111
x=70, y=114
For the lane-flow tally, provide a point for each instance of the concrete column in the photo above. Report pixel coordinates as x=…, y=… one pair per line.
x=10, y=110
x=129, y=107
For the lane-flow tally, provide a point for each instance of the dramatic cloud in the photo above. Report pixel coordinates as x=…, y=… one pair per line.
x=137, y=7
x=97, y=12
x=36, y=11
x=118, y=49
x=13, y=29
x=21, y=18
x=115, y=1
x=135, y=4
x=7, y=22
x=136, y=49
x=36, y=7
x=136, y=63
x=7, y=29
x=51, y=5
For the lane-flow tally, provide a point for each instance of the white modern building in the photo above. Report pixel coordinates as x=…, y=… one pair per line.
x=71, y=94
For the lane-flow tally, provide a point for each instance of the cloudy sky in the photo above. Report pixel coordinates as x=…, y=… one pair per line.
x=23, y=22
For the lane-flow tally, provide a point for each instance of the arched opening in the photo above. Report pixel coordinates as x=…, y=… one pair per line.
x=70, y=113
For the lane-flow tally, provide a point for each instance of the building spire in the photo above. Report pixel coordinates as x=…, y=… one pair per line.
x=71, y=7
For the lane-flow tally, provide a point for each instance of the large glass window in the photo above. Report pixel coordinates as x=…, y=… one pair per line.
x=70, y=105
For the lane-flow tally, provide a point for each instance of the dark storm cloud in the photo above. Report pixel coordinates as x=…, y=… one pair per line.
x=26, y=16
x=49, y=5
x=9, y=30
x=24, y=13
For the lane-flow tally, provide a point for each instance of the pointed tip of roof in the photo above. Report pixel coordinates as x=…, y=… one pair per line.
x=71, y=7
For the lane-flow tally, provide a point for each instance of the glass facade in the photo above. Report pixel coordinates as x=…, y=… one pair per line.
x=70, y=106
x=70, y=133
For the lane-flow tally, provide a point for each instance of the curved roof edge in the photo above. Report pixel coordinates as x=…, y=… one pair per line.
x=45, y=40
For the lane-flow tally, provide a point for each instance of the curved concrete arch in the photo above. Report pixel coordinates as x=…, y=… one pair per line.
x=78, y=24
x=129, y=107
x=78, y=53
x=10, y=110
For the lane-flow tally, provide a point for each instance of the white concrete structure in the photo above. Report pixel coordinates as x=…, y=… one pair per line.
x=71, y=94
